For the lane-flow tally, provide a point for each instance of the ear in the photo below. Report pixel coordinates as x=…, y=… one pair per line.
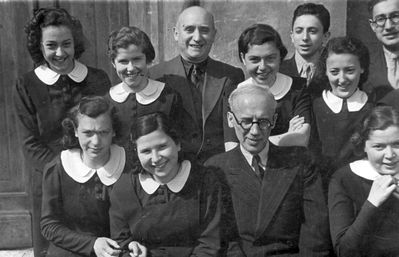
x=371, y=26
x=176, y=33
x=361, y=70
x=292, y=36
x=326, y=36
x=242, y=56
x=230, y=119
x=76, y=131
x=113, y=63
x=274, y=120
x=178, y=147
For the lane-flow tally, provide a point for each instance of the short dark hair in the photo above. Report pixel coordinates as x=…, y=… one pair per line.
x=371, y=4
x=126, y=36
x=258, y=34
x=45, y=17
x=317, y=10
x=380, y=118
x=344, y=45
x=91, y=106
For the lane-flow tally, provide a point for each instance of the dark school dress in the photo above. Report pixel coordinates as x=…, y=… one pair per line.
x=156, y=97
x=40, y=104
x=168, y=223
x=75, y=209
x=358, y=228
x=334, y=130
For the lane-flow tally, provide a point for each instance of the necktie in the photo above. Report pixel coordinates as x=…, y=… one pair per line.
x=393, y=73
x=307, y=73
x=196, y=76
x=344, y=106
x=256, y=165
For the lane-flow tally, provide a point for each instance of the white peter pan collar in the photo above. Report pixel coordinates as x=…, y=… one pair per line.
x=108, y=174
x=120, y=92
x=280, y=88
x=49, y=77
x=175, y=185
x=355, y=102
x=364, y=169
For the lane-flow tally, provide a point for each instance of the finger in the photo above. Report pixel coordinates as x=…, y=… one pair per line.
x=134, y=249
x=143, y=251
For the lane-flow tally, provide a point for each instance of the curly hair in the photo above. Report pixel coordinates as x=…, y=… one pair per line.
x=45, y=17
x=380, y=118
x=91, y=106
x=317, y=10
x=258, y=34
x=126, y=36
x=343, y=45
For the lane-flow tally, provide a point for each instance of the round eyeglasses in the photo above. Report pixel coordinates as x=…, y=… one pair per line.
x=380, y=20
x=247, y=123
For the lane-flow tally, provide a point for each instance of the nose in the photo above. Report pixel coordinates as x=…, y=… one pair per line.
x=59, y=51
x=305, y=36
x=196, y=35
x=255, y=130
x=262, y=64
x=341, y=77
x=389, y=152
x=95, y=140
x=155, y=156
x=130, y=66
x=388, y=24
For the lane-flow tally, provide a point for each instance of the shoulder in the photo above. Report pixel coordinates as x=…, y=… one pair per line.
x=288, y=67
x=234, y=73
x=222, y=159
x=163, y=68
x=54, y=167
x=344, y=175
x=298, y=83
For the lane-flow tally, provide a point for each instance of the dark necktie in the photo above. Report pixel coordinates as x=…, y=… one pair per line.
x=256, y=165
x=344, y=106
x=196, y=76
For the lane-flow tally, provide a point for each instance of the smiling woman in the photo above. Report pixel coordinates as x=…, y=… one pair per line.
x=42, y=96
x=173, y=206
x=363, y=196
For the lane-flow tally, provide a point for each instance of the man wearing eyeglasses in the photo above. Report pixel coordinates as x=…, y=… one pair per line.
x=384, y=63
x=277, y=201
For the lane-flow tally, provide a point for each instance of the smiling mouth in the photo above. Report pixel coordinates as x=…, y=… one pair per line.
x=159, y=166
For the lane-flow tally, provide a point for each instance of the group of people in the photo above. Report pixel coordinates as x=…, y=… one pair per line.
x=186, y=158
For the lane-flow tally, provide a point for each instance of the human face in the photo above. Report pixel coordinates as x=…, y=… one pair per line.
x=195, y=34
x=389, y=34
x=131, y=66
x=308, y=37
x=382, y=149
x=95, y=139
x=343, y=72
x=253, y=107
x=262, y=63
x=58, y=48
x=158, y=154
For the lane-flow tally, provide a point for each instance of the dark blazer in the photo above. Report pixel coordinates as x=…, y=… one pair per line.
x=289, y=68
x=377, y=81
x=284, y=215
x=207, y=138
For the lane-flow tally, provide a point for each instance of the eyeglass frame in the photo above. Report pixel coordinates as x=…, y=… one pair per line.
x=385, y=18
x=271, y=124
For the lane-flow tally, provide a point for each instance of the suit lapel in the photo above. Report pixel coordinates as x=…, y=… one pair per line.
x=276, y=183
x=213, y=86
x=293, y=67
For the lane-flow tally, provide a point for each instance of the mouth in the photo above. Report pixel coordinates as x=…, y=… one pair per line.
x=391, y=35
x=60, y=60
x=196, y=46
x=305, y=47
x=159, y=165
x=391, y=165
x=133, y=75
x=95, y=150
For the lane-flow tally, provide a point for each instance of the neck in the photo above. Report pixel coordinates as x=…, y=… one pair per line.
x=312, y=58
x=194, y=61
x=143, y=84
x=172, y=175
x=95, y=163
x=392, y=49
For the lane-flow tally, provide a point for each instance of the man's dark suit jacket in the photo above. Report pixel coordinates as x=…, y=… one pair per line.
x=289, y=68
x=206, y=139
x=284, y=215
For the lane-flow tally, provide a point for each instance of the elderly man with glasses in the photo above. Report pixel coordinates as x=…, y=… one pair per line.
x=277, y=204
x=384, y=63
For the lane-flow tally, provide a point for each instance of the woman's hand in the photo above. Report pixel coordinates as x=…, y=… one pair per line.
x=296, y=123
x=137, y=250
x=381, y=189
x=105, y=247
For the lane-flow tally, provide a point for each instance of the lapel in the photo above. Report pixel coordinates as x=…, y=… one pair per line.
x=382, y=64
x=213, y=87
x=292, y=66
x=181, y=84
x=242, y=179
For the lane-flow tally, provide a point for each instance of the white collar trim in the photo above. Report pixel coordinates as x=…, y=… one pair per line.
x=73, y=165
x=280, y=88
x=355, y=102
x=364, y=169
x=175, y=185
x=49, y=77
x=120, y=92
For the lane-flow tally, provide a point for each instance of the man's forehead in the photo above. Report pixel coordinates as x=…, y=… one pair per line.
x=195, y=16
x=386, y=7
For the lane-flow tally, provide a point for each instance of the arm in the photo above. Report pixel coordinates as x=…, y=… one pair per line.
x=294, y=137
x=34, y=149
x=51, y=223
x=230, y=139
x=348, y=228
x=210, y=211
x=314, y=238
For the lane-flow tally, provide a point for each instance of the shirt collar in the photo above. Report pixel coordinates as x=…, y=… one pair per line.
x=150, y=185
x=302, y=64
x=355, y=102
x=120, y=92
x=280, y=88
x=73, y=165
x=50, y=77
x=262, y=154
x=364, y=169
x=189, y=65
x=390, y=55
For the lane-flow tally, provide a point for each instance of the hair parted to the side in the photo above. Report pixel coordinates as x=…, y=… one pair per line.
x=58, y=17
x=380, y=118
x=126, y=36
x=317, y=10
x=371, y=4
x=343, y=45
x=258, y=34
x=91, y=106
